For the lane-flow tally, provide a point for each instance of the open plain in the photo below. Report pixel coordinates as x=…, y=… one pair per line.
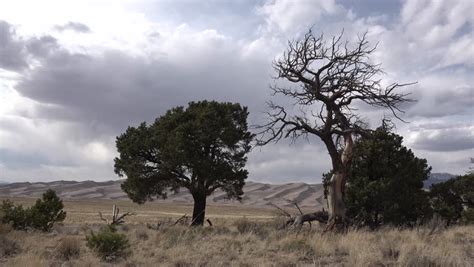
x=240, y=236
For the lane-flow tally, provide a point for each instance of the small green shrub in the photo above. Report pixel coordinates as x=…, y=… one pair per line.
x=41, y=216
x=47, y=211
x=16, y=216
x=68, y=248
x=108, y=244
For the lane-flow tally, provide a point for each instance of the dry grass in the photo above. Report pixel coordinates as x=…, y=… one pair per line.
x=243, y=242
x=68, y=248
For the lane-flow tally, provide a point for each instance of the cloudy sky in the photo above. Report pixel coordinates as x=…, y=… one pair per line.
x=75, y=74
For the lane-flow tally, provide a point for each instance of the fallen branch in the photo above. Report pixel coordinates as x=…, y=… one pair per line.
x=181, y=219
x=299, y=220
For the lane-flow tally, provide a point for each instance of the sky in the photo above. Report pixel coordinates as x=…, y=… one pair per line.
x=74, y=74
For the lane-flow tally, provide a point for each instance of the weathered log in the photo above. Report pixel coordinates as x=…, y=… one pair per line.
x=298, y=220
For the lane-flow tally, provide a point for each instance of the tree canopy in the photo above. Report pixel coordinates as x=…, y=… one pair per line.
x=453, y=200
x=202, y=147
x=385, y=184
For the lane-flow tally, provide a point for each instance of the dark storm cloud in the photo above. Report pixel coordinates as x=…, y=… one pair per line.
x=366, y=8
x=116, y=90
x=41, y=47
x=12, y=50
x=15, y=52
x=73, y=26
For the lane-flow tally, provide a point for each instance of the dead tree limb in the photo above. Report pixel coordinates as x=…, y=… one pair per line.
x=297, y=221
x=116, y=218
x=181, y=219
x=209, y=222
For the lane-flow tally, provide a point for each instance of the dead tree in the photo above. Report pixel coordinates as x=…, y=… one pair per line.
x=331, y=78
x=116, y=218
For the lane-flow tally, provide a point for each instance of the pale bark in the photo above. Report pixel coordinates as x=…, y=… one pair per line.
x=336, y=186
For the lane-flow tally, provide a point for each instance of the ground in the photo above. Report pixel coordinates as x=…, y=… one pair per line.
x=240, y=236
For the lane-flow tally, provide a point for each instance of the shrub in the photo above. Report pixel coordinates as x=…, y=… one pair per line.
x=108, y=244
x=68, y=248
x=386, y=182
x=16, y=216
x=141, y=234
x=245, y=226
x=467, y=216
x=42, y=215
x=7, y=247
x=47, y=211
x=454, y=198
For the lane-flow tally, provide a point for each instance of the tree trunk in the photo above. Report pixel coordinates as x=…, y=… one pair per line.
x=199, y=211
x=336, y=187
x=336, y=206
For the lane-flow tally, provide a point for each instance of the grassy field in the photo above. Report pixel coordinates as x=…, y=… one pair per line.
x=241, y=236
x=86, y=211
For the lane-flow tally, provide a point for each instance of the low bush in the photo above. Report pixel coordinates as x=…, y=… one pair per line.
x=467, y=216
x=245, y=226
x=41, y=216
x=68, y=248
x=7, y=247
x=141, y=234
x=108, y=244
x=16, y=216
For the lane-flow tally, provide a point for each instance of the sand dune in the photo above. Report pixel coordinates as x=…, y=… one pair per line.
x=255, y=194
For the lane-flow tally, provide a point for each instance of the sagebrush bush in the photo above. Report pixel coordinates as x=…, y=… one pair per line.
x=108, y=244
x=245, y=226
x=141, y=234
x=41, y=216
x=7, y=247
x=68, y=248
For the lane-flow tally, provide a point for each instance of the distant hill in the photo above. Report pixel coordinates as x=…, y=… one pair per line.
x=255, y=194
x=436, y=178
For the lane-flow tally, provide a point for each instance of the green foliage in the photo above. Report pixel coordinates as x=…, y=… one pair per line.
x=201, y=148
x=108, y=244
x=385, y=184
x=467, y=216
x=453, y=200
x=47, y=211
x=41, y=216
x=16, y=216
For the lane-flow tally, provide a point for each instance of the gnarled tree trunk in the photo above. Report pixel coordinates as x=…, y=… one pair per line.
x=199, y=211
x=336, y=186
